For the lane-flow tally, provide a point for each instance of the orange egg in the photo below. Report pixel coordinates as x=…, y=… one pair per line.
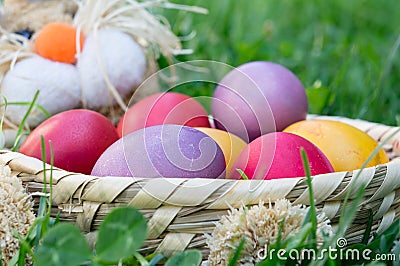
x=231, y=145
x=345, y=146
x=57, y=42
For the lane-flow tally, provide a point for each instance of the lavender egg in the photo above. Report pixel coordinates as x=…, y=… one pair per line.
x=163, y=151
x=258, y=98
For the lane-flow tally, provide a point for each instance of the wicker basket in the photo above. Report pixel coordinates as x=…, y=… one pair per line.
x=180, y=211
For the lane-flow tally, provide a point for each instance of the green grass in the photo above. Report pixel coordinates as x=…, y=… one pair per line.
x=351, y=48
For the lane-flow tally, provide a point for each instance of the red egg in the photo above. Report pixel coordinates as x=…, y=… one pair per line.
x=78, y=137
x=163, y=108
x=278, y=155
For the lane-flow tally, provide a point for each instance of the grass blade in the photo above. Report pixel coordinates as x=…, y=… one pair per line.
x=390, y=235
x=235, y=258
x=22, y=124
x=24, y=249
x=51, y=175
x=242, y=174
x=35, y=105
x=142, y=260
x=313, y=212
x=369, y=227
x=299, y=239
x=156, y=260
x=43, y=199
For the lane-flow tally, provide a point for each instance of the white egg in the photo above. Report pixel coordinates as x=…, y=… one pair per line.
x=115, y=54
x=58, y=84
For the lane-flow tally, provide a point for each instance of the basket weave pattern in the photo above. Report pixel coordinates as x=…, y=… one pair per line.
x=180, y=211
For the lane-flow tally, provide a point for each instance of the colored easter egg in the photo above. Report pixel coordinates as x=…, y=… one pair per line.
x=163, y=108
x=78, y=137
x=163, y=151
x=257, y=98
x=278, y=155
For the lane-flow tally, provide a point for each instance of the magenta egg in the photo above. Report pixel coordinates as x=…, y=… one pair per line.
x=278, y=155
x=163, y=108
x=163, y=151
x=78, y=137
x=257, y=98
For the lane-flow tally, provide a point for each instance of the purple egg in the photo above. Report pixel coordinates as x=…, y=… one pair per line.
x=163, y=151
x=258, y=98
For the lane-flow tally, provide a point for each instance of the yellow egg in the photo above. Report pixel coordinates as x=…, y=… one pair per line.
x=345, y=146
x=231, y=145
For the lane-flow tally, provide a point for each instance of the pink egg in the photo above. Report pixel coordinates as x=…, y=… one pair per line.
x=163, y=108
x=258, y=98
x=79, y=137
x=277, y=155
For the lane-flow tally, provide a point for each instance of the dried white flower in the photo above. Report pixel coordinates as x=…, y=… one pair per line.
x=15, y=212
x=259, y=226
